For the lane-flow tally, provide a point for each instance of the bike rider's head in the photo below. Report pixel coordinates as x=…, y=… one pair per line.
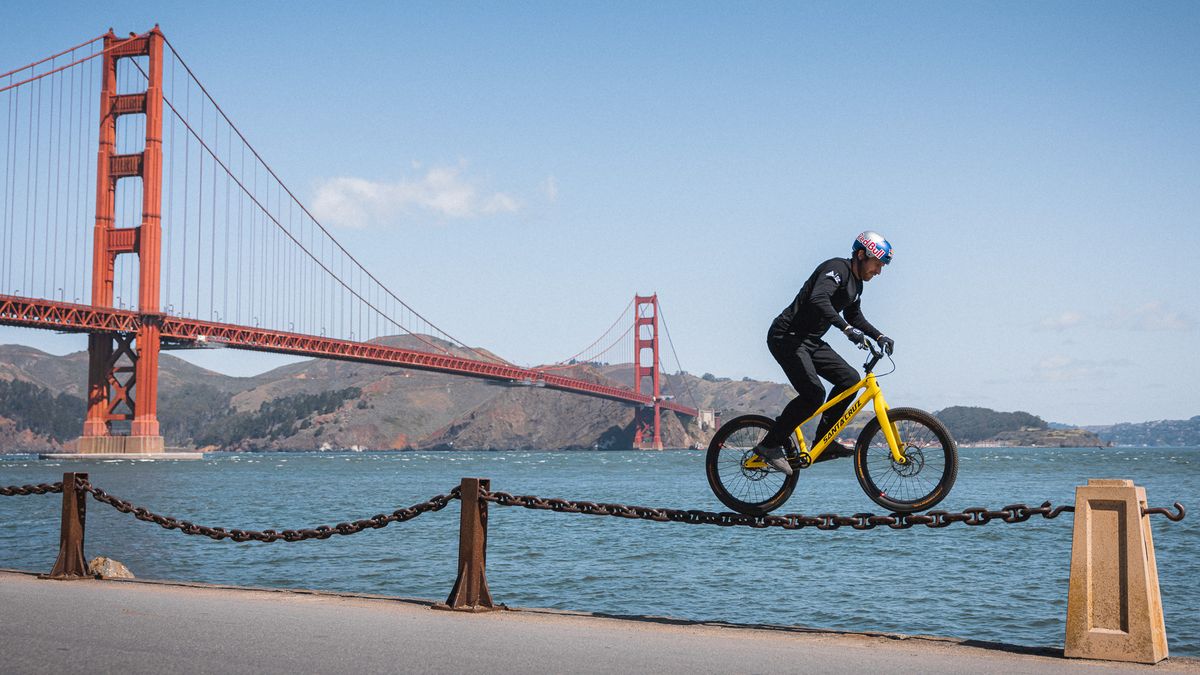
x=869, y=254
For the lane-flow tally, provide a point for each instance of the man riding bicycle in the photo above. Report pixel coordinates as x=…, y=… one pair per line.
x=830, y=297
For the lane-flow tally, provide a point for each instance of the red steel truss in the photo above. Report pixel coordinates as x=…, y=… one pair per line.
x=67, y=317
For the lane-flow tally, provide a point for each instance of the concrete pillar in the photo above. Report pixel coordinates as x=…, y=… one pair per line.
x=1114, y=610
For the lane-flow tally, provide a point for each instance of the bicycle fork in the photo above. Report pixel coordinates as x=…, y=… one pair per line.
x=890, y=431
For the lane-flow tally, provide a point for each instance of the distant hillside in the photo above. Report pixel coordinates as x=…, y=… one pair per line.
x=1161, y=433
x=327, y=404
x=33, y=416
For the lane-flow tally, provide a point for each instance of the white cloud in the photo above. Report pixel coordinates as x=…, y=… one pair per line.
x=1152, y=316
x=1068, y=319
x=1062, y=368
x=444, y=192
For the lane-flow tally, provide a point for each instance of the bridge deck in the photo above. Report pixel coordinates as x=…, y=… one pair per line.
x=62, y=316
x=134, y=627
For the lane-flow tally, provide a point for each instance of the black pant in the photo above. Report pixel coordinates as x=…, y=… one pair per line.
x=805, y=362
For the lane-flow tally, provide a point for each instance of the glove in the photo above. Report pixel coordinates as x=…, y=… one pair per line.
x=856, y=336
x=886, y=343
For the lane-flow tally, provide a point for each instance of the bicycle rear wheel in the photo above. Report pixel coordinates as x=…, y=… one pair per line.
x=921, y=482
x=752, y=491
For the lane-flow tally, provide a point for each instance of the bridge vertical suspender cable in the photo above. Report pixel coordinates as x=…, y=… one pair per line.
x=43, y=173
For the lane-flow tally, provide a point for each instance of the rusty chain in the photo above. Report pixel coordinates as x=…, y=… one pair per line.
x=436, y=503
x=1013, y=513
x=40, y=489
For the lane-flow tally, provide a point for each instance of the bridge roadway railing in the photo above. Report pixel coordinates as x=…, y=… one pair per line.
x=64, y=316
x=471, y=593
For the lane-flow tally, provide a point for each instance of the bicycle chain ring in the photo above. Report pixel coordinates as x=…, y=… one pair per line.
x=798, y=460
x=750, y=473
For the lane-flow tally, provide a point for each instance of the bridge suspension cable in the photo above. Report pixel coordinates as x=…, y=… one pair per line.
x=679, y=366
x=281, y=268
x=32, y=67
x=592, y=352
x=47, y=173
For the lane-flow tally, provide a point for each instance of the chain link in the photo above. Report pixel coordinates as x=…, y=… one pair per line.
x=319, y=532
x=1013, y=513
x=40, y=489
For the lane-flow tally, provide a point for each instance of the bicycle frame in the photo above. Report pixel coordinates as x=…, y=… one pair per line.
x=870, y=393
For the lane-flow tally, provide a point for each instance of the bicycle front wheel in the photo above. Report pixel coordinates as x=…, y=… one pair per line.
x=920, y=482
x=748, y=490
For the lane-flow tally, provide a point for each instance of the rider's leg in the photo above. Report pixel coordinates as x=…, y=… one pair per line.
x=796, y=359
x=831, y=366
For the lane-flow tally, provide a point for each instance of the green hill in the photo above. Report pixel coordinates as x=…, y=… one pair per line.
x=972, y=425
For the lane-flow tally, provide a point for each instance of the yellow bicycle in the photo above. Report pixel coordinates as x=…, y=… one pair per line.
x=905, y=459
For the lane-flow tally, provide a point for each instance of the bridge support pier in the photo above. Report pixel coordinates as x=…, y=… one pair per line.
x=121, y=445
x=1114, y=610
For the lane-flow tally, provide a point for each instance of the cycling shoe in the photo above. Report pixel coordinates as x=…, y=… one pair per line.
x=775, y=457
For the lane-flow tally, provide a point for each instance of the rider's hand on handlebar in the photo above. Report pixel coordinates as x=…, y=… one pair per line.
x=856, y=336
x=886, y=343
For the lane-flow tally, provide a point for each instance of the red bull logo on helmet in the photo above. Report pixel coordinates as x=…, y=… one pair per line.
x=880, y=250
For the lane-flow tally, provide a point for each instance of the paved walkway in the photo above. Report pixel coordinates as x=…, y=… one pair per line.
x=154, y=627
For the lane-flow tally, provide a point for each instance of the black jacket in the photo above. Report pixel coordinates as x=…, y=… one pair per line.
x=831, y=293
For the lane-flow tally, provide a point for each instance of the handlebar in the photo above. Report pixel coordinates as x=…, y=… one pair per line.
x=876, y=355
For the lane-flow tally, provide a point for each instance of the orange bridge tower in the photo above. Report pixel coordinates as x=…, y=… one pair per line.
x=122, y=414
x=647, y=420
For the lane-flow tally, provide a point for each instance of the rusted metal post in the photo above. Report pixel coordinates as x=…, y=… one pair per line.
x=470, y=591
x=71, y=563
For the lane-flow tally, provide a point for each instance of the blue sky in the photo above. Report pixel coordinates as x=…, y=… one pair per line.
x=517, y=172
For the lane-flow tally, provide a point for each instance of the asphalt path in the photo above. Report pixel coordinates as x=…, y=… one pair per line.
x=155, y=627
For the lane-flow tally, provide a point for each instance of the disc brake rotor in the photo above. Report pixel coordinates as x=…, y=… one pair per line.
x=912, y=467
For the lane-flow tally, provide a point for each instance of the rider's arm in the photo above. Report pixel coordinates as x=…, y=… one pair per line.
x=821, y=297
x=855, y=317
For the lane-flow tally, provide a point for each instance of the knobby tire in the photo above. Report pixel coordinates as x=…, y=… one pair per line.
x=925, y=480
x=754, y=492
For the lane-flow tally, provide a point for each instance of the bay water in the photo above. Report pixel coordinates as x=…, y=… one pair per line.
x=999, y=582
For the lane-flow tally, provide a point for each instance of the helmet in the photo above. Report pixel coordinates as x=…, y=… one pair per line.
x=875, y=246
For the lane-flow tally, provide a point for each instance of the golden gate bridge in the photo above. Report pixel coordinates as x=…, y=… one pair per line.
x=195, y=241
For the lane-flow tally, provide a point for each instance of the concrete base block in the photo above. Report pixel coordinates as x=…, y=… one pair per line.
x=98, y=456
x=1114, y=610
x=117, y=445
